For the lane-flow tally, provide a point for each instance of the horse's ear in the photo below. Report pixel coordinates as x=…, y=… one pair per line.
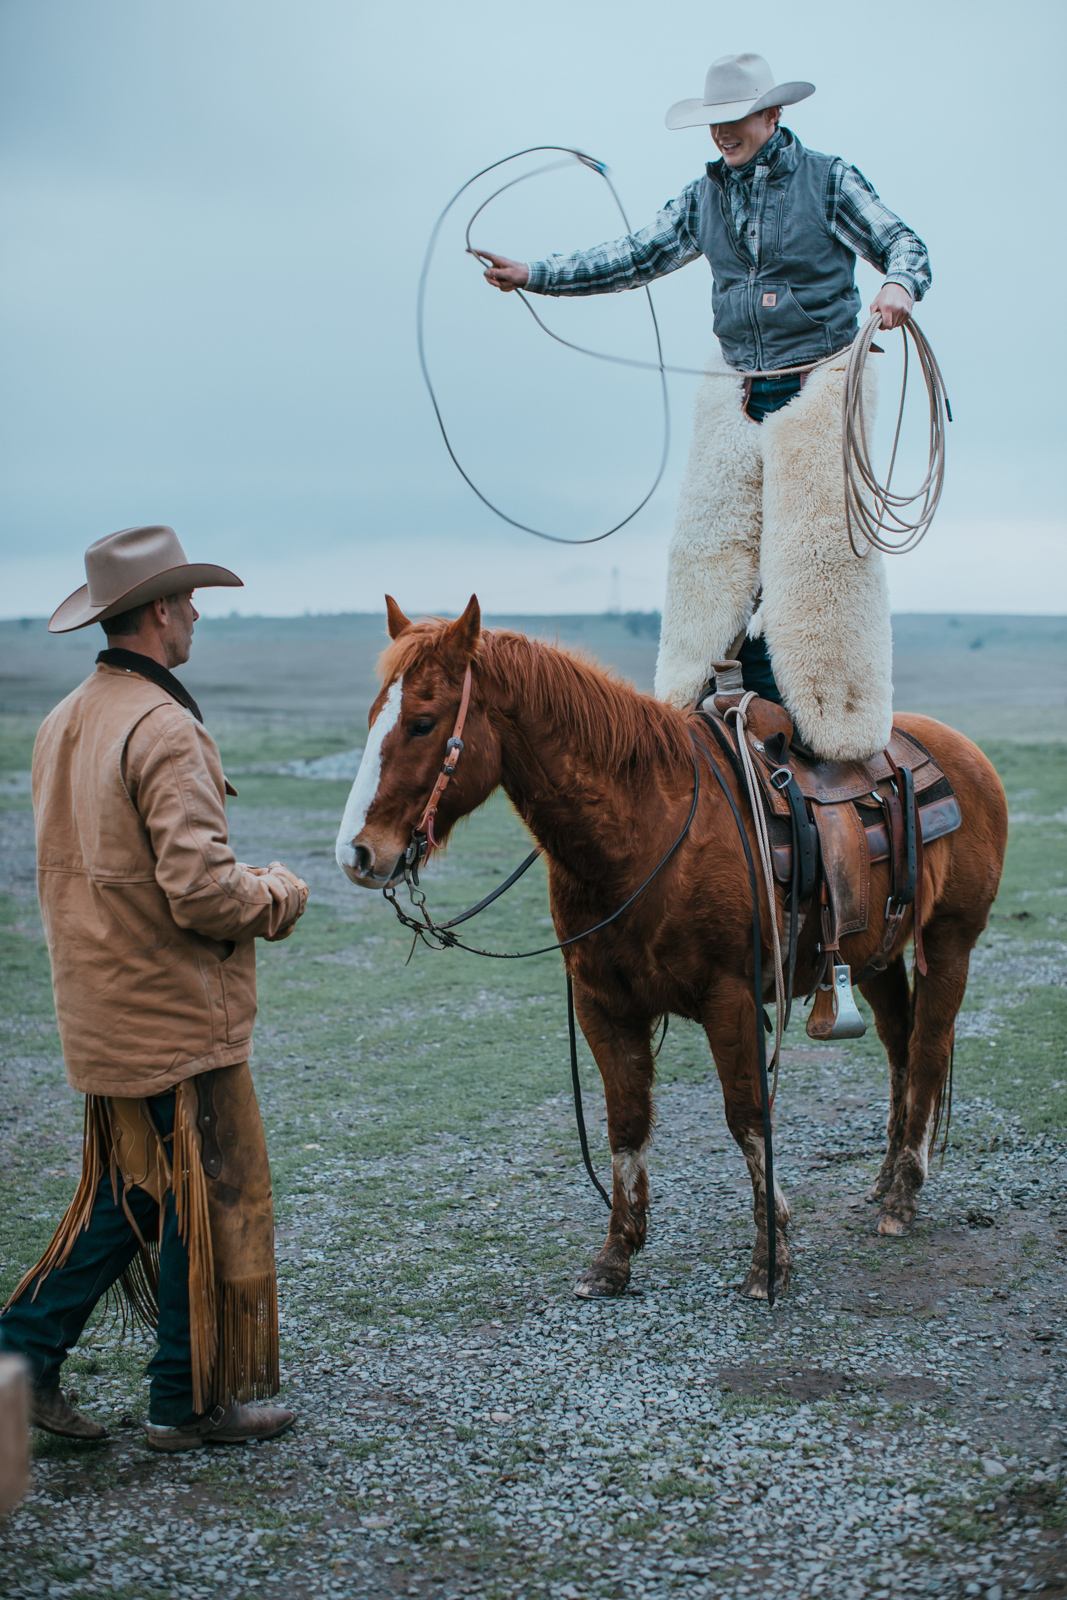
x=466, y=630
x=395, y=618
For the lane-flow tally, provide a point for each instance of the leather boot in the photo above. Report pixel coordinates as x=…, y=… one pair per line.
x=225, y=1425
x=51, y=1410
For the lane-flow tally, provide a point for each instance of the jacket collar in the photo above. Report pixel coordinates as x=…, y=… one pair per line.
x=782, y=158
x=133, y=661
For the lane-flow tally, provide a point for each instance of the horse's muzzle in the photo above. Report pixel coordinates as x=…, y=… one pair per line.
x=357, y=861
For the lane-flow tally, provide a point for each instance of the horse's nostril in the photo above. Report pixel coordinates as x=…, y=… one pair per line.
x=364, y=862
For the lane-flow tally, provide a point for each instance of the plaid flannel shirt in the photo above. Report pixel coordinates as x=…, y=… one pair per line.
x=854, y=215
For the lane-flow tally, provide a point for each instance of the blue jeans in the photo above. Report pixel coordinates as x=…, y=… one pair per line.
x=45, y=1328
x=767, y=395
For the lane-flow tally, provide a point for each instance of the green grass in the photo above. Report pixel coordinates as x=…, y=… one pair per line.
x=368, y=1056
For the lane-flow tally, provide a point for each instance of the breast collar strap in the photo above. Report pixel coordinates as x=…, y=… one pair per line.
x=422, y=839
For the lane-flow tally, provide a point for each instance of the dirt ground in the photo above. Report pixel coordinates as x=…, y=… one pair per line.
x=466, y=1427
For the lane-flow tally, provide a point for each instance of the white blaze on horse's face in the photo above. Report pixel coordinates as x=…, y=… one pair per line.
x=350, y=857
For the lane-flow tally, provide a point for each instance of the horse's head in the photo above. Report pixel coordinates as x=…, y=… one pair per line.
x=410, y=724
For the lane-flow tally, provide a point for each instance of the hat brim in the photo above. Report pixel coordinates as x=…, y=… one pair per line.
x=78, y=611
x=695, y=114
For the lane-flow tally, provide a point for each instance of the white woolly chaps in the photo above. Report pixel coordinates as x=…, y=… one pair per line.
x=762, y=507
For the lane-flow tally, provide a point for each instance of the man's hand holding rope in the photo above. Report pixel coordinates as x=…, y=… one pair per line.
x=503, y=273
x=892, y=303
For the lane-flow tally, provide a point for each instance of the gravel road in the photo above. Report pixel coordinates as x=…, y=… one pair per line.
x=893, y=1427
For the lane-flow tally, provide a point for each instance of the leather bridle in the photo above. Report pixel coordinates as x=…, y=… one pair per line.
x=422, y=837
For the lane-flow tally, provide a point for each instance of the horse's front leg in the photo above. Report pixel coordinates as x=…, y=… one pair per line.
x=624, y=1055
x=730, y=1021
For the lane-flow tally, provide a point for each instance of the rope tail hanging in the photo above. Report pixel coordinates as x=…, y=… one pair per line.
x=876, y=515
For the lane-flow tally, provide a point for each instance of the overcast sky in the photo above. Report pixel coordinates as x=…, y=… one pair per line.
x=215, y=214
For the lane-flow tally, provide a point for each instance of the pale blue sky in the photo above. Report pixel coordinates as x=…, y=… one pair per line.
x=214, y=215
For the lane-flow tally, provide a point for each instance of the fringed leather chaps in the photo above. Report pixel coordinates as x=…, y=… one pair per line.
x=219, y=1175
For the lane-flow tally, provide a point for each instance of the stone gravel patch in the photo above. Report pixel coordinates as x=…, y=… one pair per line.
x=893, y=1426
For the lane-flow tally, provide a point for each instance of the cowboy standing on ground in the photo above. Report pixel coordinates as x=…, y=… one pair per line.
x=760, y=543
x=150, y=924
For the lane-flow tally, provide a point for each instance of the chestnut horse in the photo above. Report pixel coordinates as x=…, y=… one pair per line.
x=604, y=779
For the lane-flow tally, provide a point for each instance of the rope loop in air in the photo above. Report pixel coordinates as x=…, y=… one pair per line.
x=593, y=165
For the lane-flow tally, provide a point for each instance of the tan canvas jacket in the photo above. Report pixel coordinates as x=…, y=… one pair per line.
x=149, y=919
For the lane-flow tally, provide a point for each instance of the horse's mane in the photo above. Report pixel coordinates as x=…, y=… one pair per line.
x=613, y=722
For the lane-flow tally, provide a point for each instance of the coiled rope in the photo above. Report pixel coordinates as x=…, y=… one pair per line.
x=875, y=515
x=880, y=517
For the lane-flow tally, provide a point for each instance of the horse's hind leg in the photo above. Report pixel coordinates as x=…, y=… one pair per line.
x=624, y=1055
x=730, y=1022
x=938, y=998
x=889, y=996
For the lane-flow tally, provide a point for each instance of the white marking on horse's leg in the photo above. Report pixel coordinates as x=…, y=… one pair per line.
x=921, y=1151
x=753, y=1151
x=628, y=1166
x=365, y=787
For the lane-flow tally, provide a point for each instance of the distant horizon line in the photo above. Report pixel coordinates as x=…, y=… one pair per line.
x=609, y=615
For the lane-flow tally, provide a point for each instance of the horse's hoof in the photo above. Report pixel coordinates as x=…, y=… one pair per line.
x=891, y=1226
x=755, y=1284
x=602, y=1283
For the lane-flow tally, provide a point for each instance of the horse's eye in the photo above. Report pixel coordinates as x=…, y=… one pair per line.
x=422, y=726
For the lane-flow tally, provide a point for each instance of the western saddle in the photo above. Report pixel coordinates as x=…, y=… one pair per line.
x=827, y=822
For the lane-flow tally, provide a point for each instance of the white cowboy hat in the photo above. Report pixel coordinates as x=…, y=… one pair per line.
x=735, y=87
x=125, y=569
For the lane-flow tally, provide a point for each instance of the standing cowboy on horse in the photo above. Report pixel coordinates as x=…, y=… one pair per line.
x=761, y=552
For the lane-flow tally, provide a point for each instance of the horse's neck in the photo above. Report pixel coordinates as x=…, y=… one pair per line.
x=583, y=800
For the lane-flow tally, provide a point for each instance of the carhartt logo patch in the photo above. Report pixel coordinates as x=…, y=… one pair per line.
x=770, y=299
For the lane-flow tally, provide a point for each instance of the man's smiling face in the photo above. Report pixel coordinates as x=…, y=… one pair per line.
x=738, y=142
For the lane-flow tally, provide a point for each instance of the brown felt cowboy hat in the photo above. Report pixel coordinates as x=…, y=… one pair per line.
x=130, y=567
x=735, y=87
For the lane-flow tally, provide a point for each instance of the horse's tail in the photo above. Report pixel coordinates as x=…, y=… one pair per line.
x=943, y=1107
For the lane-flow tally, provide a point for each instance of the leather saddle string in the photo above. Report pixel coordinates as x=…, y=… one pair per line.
x=763, y=842
x=916, y=823
x=757, y=986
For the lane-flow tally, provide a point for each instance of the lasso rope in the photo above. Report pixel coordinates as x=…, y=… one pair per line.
x=875, y=513
x=599, y=168
x=880, y=517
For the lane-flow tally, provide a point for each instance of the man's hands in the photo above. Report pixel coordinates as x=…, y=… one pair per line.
x=502, y=273
x=277, y=870
x=893, y=301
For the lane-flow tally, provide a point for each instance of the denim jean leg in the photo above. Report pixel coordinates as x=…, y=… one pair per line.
x=756, y=670
x=44, y=1326
x=170, y=1371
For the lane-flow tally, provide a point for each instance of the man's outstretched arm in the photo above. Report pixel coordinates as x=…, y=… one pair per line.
x=666, y=244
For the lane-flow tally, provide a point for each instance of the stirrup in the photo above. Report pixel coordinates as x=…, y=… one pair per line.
x=834, y=1014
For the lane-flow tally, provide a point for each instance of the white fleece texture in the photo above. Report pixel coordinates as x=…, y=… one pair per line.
x=713, y=564
x=824, y=612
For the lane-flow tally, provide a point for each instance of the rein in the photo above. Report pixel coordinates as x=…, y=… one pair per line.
x=761, y=1042
x=438, y=935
